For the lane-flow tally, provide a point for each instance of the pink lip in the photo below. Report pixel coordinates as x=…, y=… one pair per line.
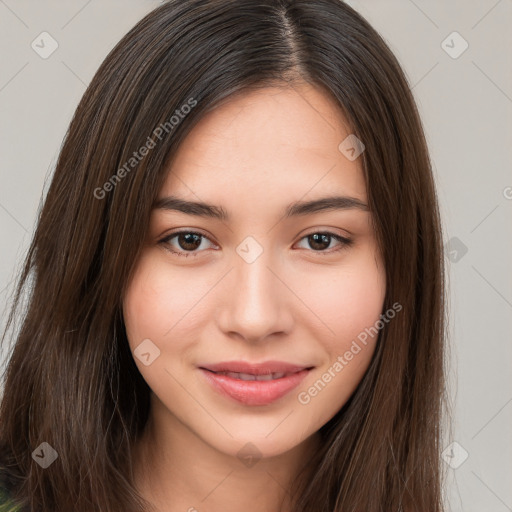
x=255, y=392
x=255, y=368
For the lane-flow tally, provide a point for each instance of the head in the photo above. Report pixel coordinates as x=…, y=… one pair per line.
x=286, y=103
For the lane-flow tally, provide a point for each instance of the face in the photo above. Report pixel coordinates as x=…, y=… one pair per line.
x=257, y=285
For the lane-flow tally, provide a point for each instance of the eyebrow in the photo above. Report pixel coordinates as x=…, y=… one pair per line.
x=200, y=209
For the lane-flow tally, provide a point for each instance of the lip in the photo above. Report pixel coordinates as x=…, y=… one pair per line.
x=263, y=368
x=255, y=392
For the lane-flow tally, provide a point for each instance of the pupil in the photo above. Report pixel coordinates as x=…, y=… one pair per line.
x=319, y=238
x=192, y=240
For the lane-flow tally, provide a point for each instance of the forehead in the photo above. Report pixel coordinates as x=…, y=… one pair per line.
x=265, y=145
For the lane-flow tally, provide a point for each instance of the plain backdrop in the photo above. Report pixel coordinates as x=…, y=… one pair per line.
x=457, y=56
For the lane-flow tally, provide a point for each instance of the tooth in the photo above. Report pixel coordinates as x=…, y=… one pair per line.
x=265, y=377
x=250, y=377
x=246, y=376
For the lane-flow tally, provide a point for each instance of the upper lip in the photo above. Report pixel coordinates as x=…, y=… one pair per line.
x=263, y=368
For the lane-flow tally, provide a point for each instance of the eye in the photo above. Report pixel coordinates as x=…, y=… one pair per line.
x=186, y=240
x=322, y=240
x=189, y=241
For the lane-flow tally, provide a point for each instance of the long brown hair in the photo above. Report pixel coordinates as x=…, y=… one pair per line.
x=71, y=380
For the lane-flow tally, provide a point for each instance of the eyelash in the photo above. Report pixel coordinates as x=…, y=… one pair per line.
x=345, y=242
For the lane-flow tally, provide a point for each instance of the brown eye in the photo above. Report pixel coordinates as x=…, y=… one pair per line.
x=320, y=241
x=187, y=243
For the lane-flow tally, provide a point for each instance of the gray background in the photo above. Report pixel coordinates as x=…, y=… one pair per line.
x=466, y=107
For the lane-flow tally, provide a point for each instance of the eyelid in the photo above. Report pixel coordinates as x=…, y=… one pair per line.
x=330, y=231
x=344, y=241
x=195, y=231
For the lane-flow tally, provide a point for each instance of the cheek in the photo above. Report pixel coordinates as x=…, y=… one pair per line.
x=164, y=304
x=360, y=300
x=153, y=303
x=351, y=310
x=159, y=306
x=347, y=300
x=142, y=306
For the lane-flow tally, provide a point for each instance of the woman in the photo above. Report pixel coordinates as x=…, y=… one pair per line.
x=237, y=296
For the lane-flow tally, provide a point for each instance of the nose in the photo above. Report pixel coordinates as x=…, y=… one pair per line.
x=257, y=302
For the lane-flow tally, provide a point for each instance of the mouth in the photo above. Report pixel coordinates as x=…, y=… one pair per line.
x=259, y=384
x=252, y=377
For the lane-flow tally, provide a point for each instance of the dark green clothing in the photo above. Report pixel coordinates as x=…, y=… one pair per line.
x=6, y=504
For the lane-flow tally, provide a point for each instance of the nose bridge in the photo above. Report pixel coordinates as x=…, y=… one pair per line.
x=255, y=307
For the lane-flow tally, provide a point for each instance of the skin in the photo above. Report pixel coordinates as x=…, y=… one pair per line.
x=253, y=155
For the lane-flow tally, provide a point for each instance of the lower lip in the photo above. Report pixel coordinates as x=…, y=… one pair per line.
x=254, y=392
